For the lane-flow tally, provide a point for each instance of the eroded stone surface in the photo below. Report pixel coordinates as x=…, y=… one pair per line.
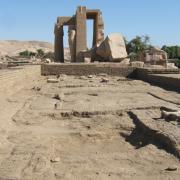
x=112, y=48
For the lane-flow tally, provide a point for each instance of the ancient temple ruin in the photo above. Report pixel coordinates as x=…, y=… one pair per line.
x=77, y=33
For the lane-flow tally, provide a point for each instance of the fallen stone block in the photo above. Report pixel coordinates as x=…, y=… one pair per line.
x=90, y=76
x=55, y=159
x=52, y=80
x=171, y=168
x=104, y=80
x=112, y=48
x=102, y=74
x=171, y=66
x=171, y=116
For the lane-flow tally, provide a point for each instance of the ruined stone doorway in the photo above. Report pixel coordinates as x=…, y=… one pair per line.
x=67, y=57
x=78, y=24
x=90, y=33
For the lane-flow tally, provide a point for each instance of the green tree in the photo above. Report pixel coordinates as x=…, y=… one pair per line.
x=40, y=53
x=49, y=55
x=24, y=53
x=172, y=51
x=137, y=46
x=27, y=53
x=32, y=54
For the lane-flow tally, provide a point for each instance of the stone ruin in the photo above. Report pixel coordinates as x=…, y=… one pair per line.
x=155, y=56
x=110, y=49
x=78, y=32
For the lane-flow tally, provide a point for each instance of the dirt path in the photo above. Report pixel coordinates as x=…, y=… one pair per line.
x=86, y=133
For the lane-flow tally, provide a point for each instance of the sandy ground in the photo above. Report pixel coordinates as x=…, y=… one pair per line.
x=76, y=129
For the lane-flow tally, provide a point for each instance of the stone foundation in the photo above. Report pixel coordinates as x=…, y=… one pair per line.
x=166, y=78
x=82, y=69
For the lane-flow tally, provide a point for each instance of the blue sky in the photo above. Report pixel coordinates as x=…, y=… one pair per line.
x=34, y=19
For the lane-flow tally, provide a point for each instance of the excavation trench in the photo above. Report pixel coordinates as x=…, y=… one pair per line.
x=89, y=135
x=143, y=135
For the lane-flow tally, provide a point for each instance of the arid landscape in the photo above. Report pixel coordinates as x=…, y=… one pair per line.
x=89, y=90
x=82, y=128
x=13, y=47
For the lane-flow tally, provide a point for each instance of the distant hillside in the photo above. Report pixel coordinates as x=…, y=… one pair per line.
x=13, y=47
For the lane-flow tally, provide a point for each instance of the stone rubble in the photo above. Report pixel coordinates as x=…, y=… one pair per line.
x=52, y=80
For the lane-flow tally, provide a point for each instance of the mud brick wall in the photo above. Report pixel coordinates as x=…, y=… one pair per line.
x=86, y=69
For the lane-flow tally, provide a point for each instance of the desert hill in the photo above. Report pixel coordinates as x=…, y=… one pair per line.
x=13, y=47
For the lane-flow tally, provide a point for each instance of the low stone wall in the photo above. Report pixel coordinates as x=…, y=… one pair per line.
x=3, y=66
x=142, y=71
x=168, y=82
x=166, y=78
x=81, y=69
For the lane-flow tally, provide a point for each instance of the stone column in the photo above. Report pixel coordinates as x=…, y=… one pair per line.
x=100, y=29
x=58, y=44
x=81, y=32
x=72, y=42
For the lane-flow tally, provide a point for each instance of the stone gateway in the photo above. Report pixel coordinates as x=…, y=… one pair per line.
x=78, y=33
